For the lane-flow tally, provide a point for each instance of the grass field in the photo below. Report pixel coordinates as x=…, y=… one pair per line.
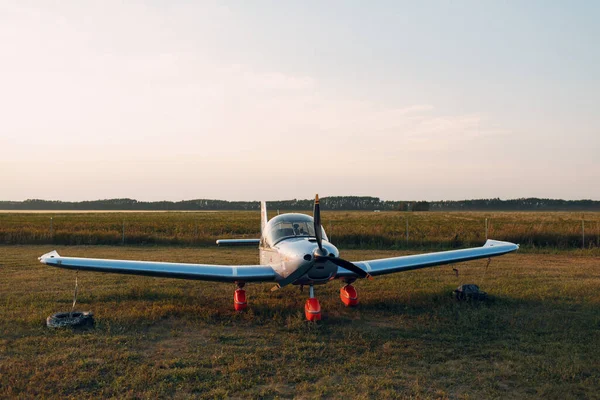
x=539, y=336
x=348, y=229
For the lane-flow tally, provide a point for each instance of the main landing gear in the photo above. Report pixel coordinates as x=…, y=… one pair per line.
x=312, y=308
x=239, y=297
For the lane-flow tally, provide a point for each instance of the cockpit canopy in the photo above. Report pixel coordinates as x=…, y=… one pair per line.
x=290, y=225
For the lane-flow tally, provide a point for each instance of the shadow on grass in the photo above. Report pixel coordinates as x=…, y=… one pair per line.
x=434, y=314
x=149, y=294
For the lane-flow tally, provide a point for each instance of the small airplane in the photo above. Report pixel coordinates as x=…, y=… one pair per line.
x=294, y=249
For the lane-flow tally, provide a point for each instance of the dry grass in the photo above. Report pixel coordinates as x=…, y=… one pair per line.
x=539, y=337
x=352, y=229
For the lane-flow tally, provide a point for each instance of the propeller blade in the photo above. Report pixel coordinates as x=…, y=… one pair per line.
x=291, y=278
x=317, y=220
x=340, y=262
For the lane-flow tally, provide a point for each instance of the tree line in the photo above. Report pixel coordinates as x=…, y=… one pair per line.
x=364, y=203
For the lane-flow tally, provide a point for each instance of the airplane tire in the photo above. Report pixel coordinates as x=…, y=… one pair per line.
x=77, y=319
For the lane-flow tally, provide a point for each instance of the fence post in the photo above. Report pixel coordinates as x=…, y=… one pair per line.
x=582, y=233
x=51, y=228
x=486, y=229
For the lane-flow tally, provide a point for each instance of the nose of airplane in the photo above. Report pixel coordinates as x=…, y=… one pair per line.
x=328, y=250
x=306, y=250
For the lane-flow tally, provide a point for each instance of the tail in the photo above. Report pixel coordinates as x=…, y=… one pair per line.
x=263, y=216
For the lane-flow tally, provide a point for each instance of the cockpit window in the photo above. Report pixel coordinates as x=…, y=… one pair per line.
x=290, y=225
x=287, y=229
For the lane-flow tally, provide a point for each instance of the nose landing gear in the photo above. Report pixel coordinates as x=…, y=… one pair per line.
x=312, y=308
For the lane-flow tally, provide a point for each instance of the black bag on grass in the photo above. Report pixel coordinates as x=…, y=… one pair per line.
x=469, y=292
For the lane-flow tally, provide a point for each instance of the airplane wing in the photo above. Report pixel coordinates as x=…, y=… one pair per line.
x=219, y=273
x=384, y=266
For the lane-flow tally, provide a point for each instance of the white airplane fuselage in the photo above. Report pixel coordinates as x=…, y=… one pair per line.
x=293, y=253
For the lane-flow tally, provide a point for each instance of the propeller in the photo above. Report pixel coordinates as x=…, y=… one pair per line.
x=317, y=222
x=297, y=274
x=322, y=255
x=340, y=262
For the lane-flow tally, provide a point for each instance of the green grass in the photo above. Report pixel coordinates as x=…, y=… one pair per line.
x=348, y=229
x=538, y=337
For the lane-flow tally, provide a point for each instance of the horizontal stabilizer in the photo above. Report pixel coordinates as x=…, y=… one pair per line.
x=238, y=242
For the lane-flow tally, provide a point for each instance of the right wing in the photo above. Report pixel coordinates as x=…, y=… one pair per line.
x=491, y=248
x=204, y=272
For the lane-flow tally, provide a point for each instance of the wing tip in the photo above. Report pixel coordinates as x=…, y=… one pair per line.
x=44, y=257
x=498, y=243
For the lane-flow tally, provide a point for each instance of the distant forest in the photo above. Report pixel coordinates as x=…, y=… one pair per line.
x=329, y=203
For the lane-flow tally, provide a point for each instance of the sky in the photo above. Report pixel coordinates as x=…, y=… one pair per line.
x=249, y=100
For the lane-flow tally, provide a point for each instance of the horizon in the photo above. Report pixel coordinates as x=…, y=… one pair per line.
x=296, y=199
x=162, y=100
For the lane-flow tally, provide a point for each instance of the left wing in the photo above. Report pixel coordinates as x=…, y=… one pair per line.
x=492, y=248
x=204, y=272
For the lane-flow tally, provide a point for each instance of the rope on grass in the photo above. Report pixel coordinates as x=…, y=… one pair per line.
x=73, y=319
x=74, y=294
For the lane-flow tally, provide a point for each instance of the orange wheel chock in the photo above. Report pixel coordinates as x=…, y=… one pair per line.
x=312, y=310
x=239, y=300
x=349, y=296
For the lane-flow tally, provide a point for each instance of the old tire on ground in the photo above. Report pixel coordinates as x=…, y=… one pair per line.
x=76, y=319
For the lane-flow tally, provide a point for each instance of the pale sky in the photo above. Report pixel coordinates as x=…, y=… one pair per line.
x=249, y=100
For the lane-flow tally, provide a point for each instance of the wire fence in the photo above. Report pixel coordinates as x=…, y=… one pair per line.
x=345, y=229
